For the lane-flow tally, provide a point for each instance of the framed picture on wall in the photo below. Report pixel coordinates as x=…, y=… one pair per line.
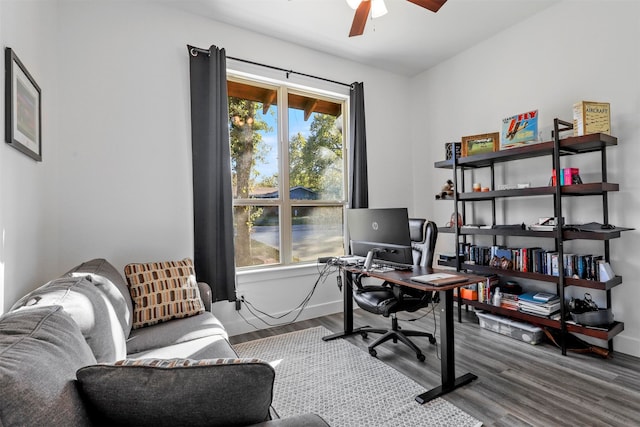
x=479, y=144
x=23, y=120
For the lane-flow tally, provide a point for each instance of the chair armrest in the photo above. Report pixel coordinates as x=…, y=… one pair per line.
x=206, y=294
x=152, y=392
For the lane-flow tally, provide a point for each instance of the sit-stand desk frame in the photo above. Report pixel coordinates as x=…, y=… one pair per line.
x=447, y=352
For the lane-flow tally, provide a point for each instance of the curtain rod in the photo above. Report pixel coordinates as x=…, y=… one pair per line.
x=195, y=50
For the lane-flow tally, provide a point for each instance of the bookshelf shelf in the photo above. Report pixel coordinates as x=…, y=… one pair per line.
x=568, y=281
x=555, y=149
x=568, y=146
x=566, y=235
x=590, y=189
x=600, y=333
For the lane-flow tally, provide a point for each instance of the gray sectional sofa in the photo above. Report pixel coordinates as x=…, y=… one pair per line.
x=69, y=357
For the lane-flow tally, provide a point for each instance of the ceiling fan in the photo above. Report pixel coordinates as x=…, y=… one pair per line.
x=377, y=8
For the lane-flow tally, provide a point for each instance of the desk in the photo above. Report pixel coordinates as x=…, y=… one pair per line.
x=447, y=355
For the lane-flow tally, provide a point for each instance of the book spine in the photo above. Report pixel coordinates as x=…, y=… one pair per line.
x=580, y=266
x=554, y=264
x=568, y=179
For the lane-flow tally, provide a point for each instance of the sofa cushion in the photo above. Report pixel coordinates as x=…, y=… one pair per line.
x=175, y=332
x=40, y=351
x=173, y=392
x=89, y=308
x=163, y=291
x=106, y=278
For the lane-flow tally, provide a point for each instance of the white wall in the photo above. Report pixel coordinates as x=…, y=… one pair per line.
x=125, y=168
x=591, y=53
x=27, y=188
x=115, y=181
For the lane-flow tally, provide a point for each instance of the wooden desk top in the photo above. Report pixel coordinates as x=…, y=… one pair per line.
x=403, y=277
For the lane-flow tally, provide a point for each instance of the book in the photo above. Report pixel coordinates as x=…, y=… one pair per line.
x=605, y=272
x=569, y=175
x=544, y=296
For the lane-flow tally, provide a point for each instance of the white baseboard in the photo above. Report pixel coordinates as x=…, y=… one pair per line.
x=626, y=345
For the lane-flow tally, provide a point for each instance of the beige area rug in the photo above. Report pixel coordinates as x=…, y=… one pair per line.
x=345, y=385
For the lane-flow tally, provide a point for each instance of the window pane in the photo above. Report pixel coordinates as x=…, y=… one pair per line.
x=257, y=235
x=315, y=149
x=254, y=143
x=316, y=232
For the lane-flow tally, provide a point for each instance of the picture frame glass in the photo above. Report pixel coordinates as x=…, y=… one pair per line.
x=23, y=108
x=480, y=144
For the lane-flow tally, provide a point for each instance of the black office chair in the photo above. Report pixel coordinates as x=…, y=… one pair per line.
x=388, y=299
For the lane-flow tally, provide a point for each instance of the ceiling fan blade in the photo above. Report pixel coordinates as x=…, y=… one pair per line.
x=432, y=5
x=360, y=18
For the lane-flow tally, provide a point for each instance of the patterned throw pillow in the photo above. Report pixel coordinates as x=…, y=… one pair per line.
x=163, y=291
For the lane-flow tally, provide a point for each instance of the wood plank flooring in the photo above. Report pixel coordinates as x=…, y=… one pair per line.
x=518, y=384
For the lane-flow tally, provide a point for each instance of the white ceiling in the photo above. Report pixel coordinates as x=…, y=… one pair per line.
x=408, y=40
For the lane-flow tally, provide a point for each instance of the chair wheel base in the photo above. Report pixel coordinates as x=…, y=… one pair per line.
x=421, y=357
x=432, y=340
x=372, y=352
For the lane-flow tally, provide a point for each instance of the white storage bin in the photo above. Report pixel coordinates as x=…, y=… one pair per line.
x=511, y=328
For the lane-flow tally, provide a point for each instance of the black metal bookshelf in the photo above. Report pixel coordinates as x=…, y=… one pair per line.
x=554, y=149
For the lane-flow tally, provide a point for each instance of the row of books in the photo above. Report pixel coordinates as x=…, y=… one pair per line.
x=568, y=176
x=538, y=260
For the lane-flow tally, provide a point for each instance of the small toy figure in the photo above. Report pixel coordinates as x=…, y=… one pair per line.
x=447, y=190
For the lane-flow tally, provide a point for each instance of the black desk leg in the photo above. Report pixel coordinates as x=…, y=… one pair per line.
x=347, y=302
x=447, y=355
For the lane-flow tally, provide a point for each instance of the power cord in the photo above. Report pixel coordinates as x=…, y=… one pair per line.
x=327, y=269
x=431, y=311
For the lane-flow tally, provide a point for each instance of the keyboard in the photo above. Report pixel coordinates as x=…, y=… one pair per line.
x=394, y=265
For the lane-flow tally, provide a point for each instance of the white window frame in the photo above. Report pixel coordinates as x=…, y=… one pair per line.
x=284, y=201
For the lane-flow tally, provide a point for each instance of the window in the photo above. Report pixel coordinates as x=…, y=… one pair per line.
x=289, y=169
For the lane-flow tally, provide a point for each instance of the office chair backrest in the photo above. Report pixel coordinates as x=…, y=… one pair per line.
x=423, y=237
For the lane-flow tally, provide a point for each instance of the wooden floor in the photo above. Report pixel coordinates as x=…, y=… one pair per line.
x=518, y=384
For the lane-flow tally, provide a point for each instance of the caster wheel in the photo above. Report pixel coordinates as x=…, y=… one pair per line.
x=373, y=352
x=364, y=335
x=421, y=357
x=432, y=340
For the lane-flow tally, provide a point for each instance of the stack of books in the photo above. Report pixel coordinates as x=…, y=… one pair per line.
x=509, y=301
x=539, y=304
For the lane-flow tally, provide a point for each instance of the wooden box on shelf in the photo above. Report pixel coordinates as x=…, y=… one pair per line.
x=591, y=117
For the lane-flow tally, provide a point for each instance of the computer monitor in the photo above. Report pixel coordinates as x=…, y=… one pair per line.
x=384, y=231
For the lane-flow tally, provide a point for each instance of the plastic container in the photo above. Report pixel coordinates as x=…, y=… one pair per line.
x=511, y=328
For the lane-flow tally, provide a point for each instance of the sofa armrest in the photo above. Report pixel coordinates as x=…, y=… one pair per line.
x=206, y=294
x=152, y=392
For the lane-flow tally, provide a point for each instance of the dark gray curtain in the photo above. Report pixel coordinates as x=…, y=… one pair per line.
x=212, y=198
x=358, y=182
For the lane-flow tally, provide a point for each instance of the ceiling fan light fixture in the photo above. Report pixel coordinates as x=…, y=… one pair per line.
x=353, y=4
x=378, y=8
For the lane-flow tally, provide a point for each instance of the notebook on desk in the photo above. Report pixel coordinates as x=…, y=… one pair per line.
x=439, y=279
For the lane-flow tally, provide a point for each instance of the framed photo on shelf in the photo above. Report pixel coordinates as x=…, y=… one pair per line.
x=23, y=120
x=479, y=144
x=519, y=130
